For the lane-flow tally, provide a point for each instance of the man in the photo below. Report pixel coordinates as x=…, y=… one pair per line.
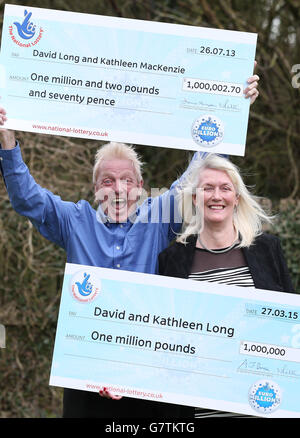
x=119, y=235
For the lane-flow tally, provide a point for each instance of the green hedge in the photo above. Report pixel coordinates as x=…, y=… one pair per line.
x=287, y=227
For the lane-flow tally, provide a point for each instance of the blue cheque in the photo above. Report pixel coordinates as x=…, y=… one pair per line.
x=132, y=81
x=179, y=341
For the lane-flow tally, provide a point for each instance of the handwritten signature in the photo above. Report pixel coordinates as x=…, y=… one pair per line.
x=255, y=366
x=227, y=105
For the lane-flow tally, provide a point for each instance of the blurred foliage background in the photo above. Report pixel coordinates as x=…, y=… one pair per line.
x=31, y=268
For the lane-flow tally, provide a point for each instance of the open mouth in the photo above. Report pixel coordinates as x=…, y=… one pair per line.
x=118, y=203
x=216, y=207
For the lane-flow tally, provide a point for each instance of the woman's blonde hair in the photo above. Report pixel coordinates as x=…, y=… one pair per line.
x=248, y=217
x=121, y=151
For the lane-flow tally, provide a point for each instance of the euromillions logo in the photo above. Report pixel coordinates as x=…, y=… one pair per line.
x=25, y=33
x=264, y=396
x=208, y=131
x=85, y=287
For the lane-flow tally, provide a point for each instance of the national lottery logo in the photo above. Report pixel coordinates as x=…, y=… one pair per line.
x=264, y=396
x=85, y=286
x=25, y=33
x=208, y=131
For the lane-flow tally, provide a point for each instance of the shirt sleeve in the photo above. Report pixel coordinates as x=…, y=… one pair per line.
x=45, y=210
x=165, y=208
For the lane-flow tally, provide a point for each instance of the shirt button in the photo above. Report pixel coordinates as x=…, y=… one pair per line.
x=118, y=265
x=121, y=226
x=117, y=247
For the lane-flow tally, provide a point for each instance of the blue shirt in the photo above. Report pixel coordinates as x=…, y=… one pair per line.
x=86, y=234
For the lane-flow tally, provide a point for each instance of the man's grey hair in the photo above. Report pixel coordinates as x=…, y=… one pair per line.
x=121, y=151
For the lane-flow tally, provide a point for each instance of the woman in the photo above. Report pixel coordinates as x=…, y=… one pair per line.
x=222, y=239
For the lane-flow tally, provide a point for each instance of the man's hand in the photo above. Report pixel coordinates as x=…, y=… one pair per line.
x=107, y=394
x=251, y=91
x=7, y=138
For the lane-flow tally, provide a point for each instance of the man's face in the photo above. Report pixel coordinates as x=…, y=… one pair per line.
x=117, y=188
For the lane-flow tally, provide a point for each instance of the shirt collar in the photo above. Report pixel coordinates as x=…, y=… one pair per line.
x=103, y=218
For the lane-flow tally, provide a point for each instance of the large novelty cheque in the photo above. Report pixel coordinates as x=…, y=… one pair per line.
x=179, y=341
x=126, y=80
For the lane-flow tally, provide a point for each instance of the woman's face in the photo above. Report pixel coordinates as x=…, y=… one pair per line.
x=218, y=195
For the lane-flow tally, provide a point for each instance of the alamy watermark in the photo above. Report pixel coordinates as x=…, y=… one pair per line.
x=163, y=207
x=296, y=77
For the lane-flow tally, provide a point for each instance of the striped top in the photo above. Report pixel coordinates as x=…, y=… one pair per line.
x=239, y=276
x=223, y=268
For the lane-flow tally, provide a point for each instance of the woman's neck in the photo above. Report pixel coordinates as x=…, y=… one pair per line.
x=216, y=237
